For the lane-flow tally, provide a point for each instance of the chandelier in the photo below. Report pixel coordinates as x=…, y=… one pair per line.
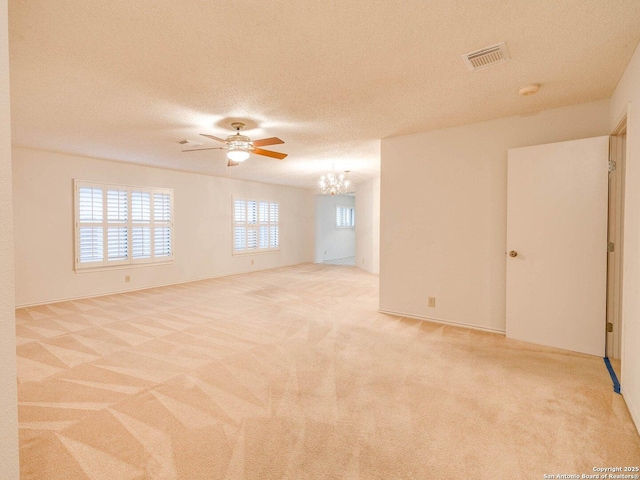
x=332, y=184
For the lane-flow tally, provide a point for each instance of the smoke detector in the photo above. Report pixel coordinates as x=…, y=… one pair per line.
x=486, y=57
x=530, y=89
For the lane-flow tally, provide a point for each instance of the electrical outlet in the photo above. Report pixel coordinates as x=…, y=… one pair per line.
x=251, y=262
x=127, y=278
x=431, y=302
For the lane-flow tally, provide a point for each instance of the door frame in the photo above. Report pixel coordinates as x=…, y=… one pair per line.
x=617, y=152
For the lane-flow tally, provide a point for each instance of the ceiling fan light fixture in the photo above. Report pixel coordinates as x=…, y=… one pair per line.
x=237, y=155
x=239, y=147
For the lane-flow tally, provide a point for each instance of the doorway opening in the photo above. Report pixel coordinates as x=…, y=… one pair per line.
x=614, y=327
x=335, y=238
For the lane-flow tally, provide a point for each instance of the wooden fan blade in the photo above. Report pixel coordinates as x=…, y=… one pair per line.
x=267, y=141
x=199, y=149
x=231, y=163
x=213, y=138
x=269, y=153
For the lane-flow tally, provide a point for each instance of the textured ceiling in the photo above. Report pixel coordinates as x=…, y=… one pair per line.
x=127, y=80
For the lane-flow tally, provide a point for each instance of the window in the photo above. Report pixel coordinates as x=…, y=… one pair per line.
x=119, y=225
x=255, y=226
x=345, y=217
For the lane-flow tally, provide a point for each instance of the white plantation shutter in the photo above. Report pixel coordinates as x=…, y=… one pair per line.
x=239, y=212
x=264, y=212
x=252, y=212
x=90, y=225
x=162, y=242
x=122, y=225
x=141, y=226
x=274, y=229
x=240, y=238
x=162, y=230
x=264, y=237
x=141, y=243
x=273, y=236
x=117, y=225
x=117, y=205
x=240, y=225
x=252, y=219
x=91, y=244
x=141, y=207
x=117, y=243
x=252, y=239
x=345, y=216
x=263, y=232
x=255, y=226
x=161, y=207
x=90, y=204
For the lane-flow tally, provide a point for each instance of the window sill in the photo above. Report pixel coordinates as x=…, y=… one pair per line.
x=121, y=267
x=255, y=252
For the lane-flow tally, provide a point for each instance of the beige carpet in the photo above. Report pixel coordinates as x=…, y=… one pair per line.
x=293, y=374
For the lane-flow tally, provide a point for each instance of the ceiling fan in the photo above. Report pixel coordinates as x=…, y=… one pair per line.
x=240, y=146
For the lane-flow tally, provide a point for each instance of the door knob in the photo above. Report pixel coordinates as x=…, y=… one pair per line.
x=513, y=253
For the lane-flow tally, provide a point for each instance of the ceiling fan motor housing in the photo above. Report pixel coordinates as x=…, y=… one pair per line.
x=239, y=142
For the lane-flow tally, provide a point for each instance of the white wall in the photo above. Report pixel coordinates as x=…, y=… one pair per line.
x=368, y=225
x=333, y=242
x=628, y=90
x=8, y=392
x=44, y=233
x=443, y=212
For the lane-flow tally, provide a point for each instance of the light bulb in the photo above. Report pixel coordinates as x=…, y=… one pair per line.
x=237, y=155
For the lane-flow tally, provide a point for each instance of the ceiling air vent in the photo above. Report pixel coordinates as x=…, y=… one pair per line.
x=486, y=57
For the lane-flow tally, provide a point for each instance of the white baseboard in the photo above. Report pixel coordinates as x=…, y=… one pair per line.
x=633, y=411
x=446, y=322
x=181, y=282
x=367, y=270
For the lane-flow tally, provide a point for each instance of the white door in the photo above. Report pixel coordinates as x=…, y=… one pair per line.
x=557, y=226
